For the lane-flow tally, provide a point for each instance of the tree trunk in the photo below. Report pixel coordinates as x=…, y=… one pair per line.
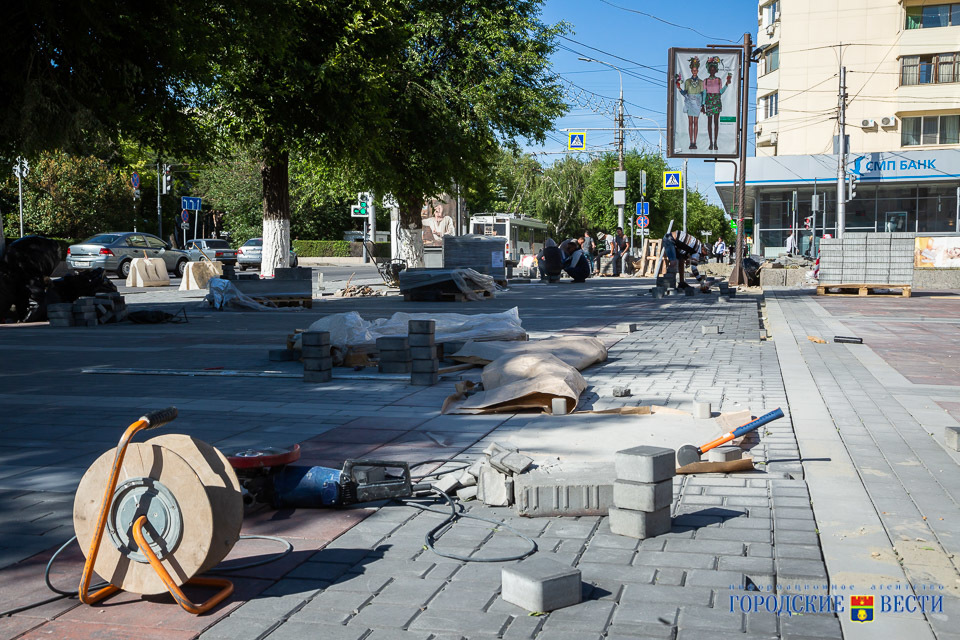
x=410, y=232
x=275, y=172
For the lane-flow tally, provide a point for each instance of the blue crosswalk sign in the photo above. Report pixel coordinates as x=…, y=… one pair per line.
x=577, y=141
x=672, y=180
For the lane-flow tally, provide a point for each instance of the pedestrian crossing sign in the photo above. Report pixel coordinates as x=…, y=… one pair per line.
x=577, y=141
x=672, y=180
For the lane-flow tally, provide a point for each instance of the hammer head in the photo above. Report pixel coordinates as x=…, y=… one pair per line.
x=687, y=454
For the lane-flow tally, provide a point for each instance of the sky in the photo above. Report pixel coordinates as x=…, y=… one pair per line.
x=638, y=45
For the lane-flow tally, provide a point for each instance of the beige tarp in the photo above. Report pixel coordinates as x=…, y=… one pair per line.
x=577, y=351
x=514, y=383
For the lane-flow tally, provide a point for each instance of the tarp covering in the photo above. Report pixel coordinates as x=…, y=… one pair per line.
x=224, y=294
x=577, y=351
x=351, y=330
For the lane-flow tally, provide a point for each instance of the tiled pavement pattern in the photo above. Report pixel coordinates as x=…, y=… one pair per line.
x=889, y=425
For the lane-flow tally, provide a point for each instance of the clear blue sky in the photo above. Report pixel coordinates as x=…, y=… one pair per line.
x=638, y=40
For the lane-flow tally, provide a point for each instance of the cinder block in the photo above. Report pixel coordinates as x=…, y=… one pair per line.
x=621, y=392
x=626, y=327
x=570, y=489
x=421, y=340
x=423, y=353
x=642, y=496
x=467, y=479
x=317, y=364
x=541, y=584
x=391, y=355
x=474, y=469
x=393, y=343
x=639, y=524
x=709, y=330
x=447, y=483
x=424, y=366
x=424, y=379
x=63, y=307
x=318, y=376
x=422, y=326
x=558, y=406
x=645, y=464
x=393, y=367
x=951, y=435
x=496, y=489
x=315, y=338
x=724, y=454
x=493, y=449
x=283, y=355
x=467, y=493
x=313, y=351
x=702, y=410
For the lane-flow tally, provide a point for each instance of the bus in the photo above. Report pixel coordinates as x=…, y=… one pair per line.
x=524, y=236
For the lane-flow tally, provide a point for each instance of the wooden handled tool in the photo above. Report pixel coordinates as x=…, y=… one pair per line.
x=689, y=453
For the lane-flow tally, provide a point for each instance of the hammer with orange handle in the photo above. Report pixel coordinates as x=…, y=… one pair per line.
x=688, y=453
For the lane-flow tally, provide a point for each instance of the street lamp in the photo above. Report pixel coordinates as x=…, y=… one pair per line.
x=620, y=219
x=20, y=169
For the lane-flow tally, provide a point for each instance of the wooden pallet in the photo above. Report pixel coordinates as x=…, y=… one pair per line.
x=285, y=301
x=649, y=251
x=442, y=296
x=862, y=289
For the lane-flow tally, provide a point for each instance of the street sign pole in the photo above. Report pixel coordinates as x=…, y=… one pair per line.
x=159, y=206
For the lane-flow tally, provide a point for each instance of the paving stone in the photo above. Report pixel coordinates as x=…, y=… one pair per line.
x=670, y=576
x=434, y=619
x=384, y=616
x=541, y=584
x=645, y=464
x=405, y=590
x=300, y=630
x=674, y=559
x=592, y=615
x=712, y=547
x=642, y=496
x=747, y=565
x=642, y=594
x=238, y=628
x=707, y=618
x=814, y=626
x=332, y=607
x=603, y=555
x=639, y=524
x=630, y=631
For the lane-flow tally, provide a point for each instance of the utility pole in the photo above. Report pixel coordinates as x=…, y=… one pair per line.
x=372, y=222
x=842, y=163
x=620, y=218
x=738, y=276
x=684, y=195
x=159, y=207
x=21, y=168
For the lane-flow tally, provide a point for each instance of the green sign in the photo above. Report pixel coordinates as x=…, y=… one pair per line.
x=728, y=119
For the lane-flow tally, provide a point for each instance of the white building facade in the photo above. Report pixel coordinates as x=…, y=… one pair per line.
x=902, y=60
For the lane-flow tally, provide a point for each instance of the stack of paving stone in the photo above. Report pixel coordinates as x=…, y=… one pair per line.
x=394, y=354
x=424, y=364
x=88, y=311
x=317, y=362
x=489, y=479
x=867, y=258
x=643, y=492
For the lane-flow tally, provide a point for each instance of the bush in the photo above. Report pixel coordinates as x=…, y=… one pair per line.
x=335, y=249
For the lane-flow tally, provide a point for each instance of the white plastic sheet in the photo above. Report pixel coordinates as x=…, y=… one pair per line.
x=351, y=330
x=223, y=293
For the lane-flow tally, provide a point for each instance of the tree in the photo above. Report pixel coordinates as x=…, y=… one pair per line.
x=233, y=185
x=473, y=75
x=302, y=77
x=559, y=196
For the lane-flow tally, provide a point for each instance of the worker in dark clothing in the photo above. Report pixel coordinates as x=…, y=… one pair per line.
x=550, y=261
x=575, y=263
x=680, y=248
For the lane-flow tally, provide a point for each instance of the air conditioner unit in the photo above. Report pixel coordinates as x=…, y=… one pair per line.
x=758, y=129
x=868, y=123
x=772, y=138
x=888, y=121
x=768, y=140
x=771, y=29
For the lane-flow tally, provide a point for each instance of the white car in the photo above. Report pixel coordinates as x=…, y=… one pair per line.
x=249, y=255
x=212, y=248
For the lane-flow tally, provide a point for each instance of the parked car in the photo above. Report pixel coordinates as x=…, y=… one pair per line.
x=215, y=249
x=248, y=255
x=115, y=251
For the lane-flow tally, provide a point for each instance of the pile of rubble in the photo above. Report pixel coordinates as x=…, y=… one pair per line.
x=490, y=479
x=88, y=311
x=355, y=291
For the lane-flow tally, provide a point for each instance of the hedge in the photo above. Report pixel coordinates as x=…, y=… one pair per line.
x=335, y=249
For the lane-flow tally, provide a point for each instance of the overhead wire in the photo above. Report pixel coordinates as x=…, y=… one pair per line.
x=667, y=22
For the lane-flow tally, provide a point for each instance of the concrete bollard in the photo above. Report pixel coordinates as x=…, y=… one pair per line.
x=558, y=406
x=702, y=410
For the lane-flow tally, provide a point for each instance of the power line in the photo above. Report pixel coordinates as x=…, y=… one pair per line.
x=612, y=55
x=672, y=24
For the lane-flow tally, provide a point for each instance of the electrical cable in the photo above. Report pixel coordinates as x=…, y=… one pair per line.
x=61, y=594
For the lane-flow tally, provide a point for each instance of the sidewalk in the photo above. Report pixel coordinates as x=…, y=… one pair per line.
x=856, y=442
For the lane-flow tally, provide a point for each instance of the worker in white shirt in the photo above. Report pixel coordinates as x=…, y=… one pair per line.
x=719, y=250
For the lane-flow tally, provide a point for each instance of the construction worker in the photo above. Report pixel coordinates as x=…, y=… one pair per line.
x=679, y=249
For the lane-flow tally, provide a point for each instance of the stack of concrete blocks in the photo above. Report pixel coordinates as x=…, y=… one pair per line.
x=317, y=362
x=490, y=479
x=867, y=258
x=394, y=352
x=643, y=492
x=424, y=364
x=89, y=311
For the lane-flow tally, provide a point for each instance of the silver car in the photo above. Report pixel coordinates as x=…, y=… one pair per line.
x=249, y=255
x=214, y=249
x=115, y=251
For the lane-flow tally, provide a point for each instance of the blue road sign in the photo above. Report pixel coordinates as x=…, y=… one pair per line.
x=193, y=204
x=643, y=222
x=135, y=180
x=185, y=215
x=643, y=208
x=577, y=141
x=673, y=180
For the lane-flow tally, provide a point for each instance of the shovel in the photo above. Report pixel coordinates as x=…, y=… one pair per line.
x=689, y=453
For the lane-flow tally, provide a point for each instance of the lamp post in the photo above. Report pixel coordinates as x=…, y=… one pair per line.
x=20, y=169
x=619, y=120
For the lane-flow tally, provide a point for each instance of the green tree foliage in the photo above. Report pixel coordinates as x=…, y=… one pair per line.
x=69, y=197
x=233, y=185
x=559, y=196
x=507, y=184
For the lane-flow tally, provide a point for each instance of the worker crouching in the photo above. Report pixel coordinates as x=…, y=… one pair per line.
x=569, y=257
x=680, y=248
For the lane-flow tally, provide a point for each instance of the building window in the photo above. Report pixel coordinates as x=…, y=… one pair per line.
x=771, y=60
x=771, y=105
x=932, y=16
x=770, y=13
x=934, y=68
x=930, y=130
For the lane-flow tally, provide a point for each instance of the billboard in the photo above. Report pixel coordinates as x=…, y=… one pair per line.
x=703, y=103
x=937, y=253
x=438, y=219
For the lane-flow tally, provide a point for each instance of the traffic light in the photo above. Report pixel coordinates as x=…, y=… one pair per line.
x=167, y=179
x=808, y=222
x=852, y=186
x=363, y=203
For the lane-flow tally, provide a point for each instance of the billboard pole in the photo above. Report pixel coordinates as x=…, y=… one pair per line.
x=738, y=276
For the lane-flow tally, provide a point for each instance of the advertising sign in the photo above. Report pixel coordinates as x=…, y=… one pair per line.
x=937, y=253
x=437, y=218
x=703, y=103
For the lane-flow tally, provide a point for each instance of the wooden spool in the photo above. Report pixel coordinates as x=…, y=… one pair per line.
x=209, y=507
